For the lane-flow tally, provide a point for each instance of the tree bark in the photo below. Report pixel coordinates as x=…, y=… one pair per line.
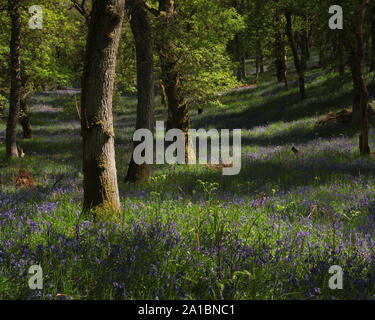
x=363, y=92
x=141, y=29
x=243, y=65
x=285, y=70
x=99, y=167
x=261, y=63
x=297, y=62
x=25, y=120
x=15, y=79
x=356, y=91
x=279, y=48
x=178, y=111
x=341, y=55
x=280, y=53
x=238, y=57
x=372, y=55
x=304, y=50
x=321, y=62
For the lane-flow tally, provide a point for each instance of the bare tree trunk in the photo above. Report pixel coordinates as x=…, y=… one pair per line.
x=178, y=111
x=25, y=120
x=15, y=75
x=239, y=73
x=363, y=93
x=281, y=58
x=141, y=29
x=304, y=50
x=163, y=93
x=341, y=55
x=372, y=55
x=238, y=57
x=308, y=40
x=279, y=49
x=243, y=64
x=99, y=167
x=297, y=62
x=261, y=64
x=356, y=91
x=285, y=71
x=321, y=57
x=259, y=61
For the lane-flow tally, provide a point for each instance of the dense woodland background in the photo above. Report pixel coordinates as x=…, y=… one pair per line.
x=74, y=201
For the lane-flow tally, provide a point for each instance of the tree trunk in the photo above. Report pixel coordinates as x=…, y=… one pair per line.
x=15, y=80
x=261, y=64
x=297, y=62
x=280, y=53
x=372, y=55
x=163, y=93
x=341, y=55
x=141, y=29
x=304, y=50
x=243, y=64
x=99, y=167
x=285, y=71
x=25, y=120
x=238, y=58
x=321, y=57
x=363, y=93
x=178, y=111
x=279, y=49
x=239, y=73
x=259, y=61
x=308, y=41
x=356, y=91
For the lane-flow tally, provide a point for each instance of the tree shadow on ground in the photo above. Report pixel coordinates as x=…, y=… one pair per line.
x=288, y=107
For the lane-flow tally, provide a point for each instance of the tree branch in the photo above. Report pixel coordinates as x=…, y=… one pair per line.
x=151, y=9
x=80, y=7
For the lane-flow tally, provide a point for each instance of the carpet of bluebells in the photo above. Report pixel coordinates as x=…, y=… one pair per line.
x=272, y=232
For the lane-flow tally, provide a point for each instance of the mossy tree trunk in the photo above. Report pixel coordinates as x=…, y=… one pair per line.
x=99, y=167
x=178, y=111
x=15, y=79
x=142, y=32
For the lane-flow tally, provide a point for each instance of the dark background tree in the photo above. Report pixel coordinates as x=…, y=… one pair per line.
x=297, y=61
x=15, y=76
x=142, y=33
x=362, y=88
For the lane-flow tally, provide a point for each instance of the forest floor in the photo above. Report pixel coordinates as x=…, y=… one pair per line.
x=271, y=232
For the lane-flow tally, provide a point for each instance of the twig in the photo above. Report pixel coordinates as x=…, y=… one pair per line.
x=57, y=181
x=78, y=109
x=151, y=9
